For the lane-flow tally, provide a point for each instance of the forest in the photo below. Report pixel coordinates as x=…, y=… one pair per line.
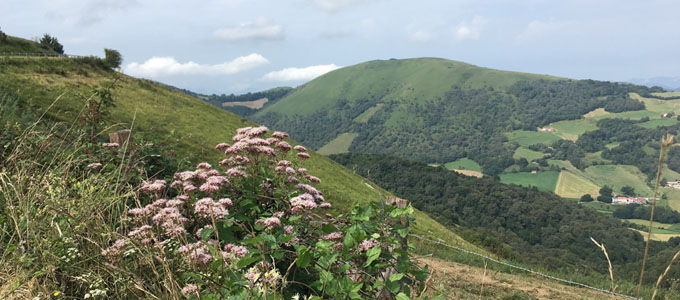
x=466, y=122
x=540, y=227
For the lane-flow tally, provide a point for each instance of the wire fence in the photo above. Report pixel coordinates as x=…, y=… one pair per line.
x=40, y=54
x=565, y=281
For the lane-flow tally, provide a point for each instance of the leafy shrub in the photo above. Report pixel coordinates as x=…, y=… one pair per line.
x=256, y=229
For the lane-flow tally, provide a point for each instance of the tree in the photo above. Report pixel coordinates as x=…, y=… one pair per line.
x=628, y=191
x=3, y=37
x=587, y=198
x=663, y=182
x=605, y=195
x=51, y=43
x=112, y=58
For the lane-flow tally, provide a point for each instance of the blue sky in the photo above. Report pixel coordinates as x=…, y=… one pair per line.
x=236, y=46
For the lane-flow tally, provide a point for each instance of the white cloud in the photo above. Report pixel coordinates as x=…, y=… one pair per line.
x=422, y=36
x=86, y=13
x=298, y=74
x=168, y=66
x=257, y=30
x=333, y=6
x=469, y=30
x=540, y=29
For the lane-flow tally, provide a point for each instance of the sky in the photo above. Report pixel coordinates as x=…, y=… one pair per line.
x=238, y=46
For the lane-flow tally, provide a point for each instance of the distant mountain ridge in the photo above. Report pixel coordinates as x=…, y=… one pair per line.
x=436, y=110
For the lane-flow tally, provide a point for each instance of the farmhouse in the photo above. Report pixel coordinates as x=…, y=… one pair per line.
x=673, y=184
x=548, y=129
x=628, y=200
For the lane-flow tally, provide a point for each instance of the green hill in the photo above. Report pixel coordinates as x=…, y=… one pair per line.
x=437, y=110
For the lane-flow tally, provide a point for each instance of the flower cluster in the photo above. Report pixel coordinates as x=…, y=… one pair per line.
x=253, y=216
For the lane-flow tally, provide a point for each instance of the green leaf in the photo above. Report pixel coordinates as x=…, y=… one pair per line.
x=372, y=255
x=402, y=296
x=396, y=277
x=325, y=276
x=206, y=233
x=304, y=257
x=243, y=262
x=329, y=228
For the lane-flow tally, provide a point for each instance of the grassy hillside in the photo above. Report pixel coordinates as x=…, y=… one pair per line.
x=190, y=128
x=16, y=44
x=416, y=80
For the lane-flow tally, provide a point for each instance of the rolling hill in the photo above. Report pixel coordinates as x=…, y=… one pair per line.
x=436, y=110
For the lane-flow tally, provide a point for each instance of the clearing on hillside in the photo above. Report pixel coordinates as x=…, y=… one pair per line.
x=596, y=113
x=617, y=176
x=255, y=104
x=528, y=138
x=338, y=145
x=570, y=130
x=529, y=155
x=658, y=228
x=544, y=181
x=661, y=237
x=570, y=185
x=366, y=115
x=463, y=164
x=659, y=122
x=469, y=173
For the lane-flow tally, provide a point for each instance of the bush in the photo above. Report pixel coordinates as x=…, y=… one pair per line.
x=112, y=58
x=257, y=230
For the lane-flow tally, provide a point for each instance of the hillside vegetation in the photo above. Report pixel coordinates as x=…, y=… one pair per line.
x=436, y=110
x=540, y=228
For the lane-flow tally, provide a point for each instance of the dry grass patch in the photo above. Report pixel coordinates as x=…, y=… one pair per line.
x=255, y=104
x=596, y=113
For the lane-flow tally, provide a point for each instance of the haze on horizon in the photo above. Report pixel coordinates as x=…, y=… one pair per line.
x=236, y=46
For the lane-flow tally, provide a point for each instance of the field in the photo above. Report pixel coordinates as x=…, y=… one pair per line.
x=658, y=122
x=661, y=237
x=255, y=104
x=545, y=181
x=601, y=207
x=570, y=130
x=530, y=155
x=366, y=115
x=596, y=113
x=469, y=173
x=570, y=185
x=527, y=138
x=617, y=176
x=658, y=228
x=463, y=164
x=338, y=145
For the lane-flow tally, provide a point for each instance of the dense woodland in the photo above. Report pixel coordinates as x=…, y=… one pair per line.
x=272, y=95
x=466, y=122
x=539, y=227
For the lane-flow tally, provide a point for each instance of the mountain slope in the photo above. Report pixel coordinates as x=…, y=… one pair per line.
x=186, y=126
x=437, y=110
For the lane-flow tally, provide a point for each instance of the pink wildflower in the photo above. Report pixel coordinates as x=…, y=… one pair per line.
x=110, y=145
x=222, y=146
x=189, y=188
x=155, y=186
x=293, y=180
x=325, y=205
x=288, y=229
x=237, y=251
x=302, y=171
x=283, y=146
x=184, y=198
x=303, y=155
x=303, y=201
x=265, y=150
x=226, y=202
x=207, y=207
x=217, y=180
x=300, y=148
x=198, y=232
x=204, y=166
x=269, y=223
x=94, y=165
x=175, y=184
x=290, y=171
x=279, y=214
x=257, y=131
x=209, y=188
x=335, y=236
x=367, y=244
x=212, y=172
x=313, y=179
x=190, y=290
x=236, y=172
x=141, y=233
x=174, y=203
x=272, y=140
x=284, y=163
x=308, y=188
x=196, y=253
x=279, y=135
x=115, y=250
